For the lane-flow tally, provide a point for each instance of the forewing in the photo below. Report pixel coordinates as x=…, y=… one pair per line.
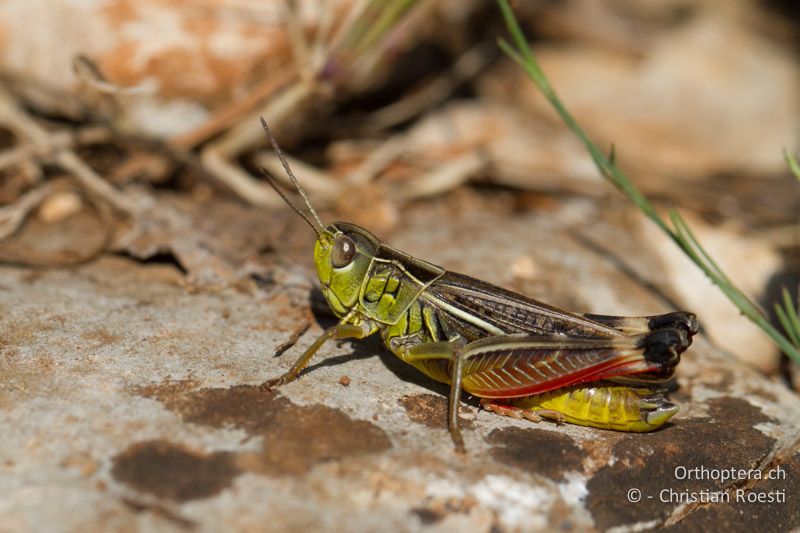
x=475, y=309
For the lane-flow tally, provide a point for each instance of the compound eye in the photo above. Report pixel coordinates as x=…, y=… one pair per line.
x=344, y=250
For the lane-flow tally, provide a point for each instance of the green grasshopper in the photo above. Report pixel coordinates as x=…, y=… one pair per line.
x=521, y=357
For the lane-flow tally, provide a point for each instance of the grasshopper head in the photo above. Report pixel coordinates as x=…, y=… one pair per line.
x=343, y=254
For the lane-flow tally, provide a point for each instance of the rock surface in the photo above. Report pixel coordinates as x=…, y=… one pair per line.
x=128, y=402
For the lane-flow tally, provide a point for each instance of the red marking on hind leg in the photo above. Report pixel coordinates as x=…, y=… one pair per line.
x=518, y=413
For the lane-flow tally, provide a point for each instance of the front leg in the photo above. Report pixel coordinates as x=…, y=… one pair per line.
x=339, y=331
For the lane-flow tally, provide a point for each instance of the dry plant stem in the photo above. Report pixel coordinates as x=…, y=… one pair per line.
x=92, y=182
x=433, y=92
x=88, y=72
x=217, y=157
x=12, y=216
x=297, y=40
x=317, y=182
x=319, y=47
x=343, y=32
x=234, y=112
x=55, y=141
x=26, y=128
x=445, y=177
x=783, y=236
x=378, y=159
x=30, y=171
x=154, y=167
x=45, y=96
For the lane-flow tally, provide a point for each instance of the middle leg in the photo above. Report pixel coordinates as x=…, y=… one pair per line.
x=451, y=354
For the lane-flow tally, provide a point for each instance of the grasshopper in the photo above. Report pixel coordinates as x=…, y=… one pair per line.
x=521, y=357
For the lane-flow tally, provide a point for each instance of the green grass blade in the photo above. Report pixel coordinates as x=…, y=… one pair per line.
x=788, y=327
x=524, y=57
x=791, y=311
x=794, y=166
x=377, y=19
x=680, y=232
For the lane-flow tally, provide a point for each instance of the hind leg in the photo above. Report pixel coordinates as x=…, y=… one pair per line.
x=534, y=415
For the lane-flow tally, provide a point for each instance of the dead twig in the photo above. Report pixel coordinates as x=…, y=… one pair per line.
x=433, y=92
x=445, y=177
x=12, y=216
x=87, y=177
x=378, y=159
x=55, y=141
x=218, y=156
x=87, y=71
x=15, y=118
x=318, y=182
x=297, y=41
x=232, y=114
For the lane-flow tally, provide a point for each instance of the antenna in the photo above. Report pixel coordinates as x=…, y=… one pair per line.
x=315, y=222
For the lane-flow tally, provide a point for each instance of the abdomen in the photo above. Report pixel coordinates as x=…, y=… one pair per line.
x=605, y=406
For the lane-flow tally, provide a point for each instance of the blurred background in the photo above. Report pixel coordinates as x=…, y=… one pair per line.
x=131, y=127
